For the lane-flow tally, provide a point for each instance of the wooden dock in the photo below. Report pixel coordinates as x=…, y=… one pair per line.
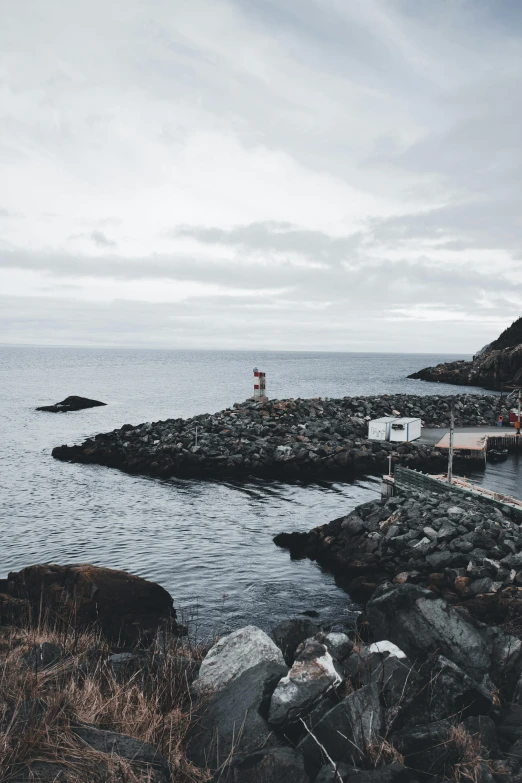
x=475, y=445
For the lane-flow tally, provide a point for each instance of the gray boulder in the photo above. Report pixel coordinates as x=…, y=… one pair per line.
x=422, y=624
x=233, y=655
x=142, y=755
x=235, y=717
x=347, y=731
x=313, y=674
x=453, y=692
x=386, y=666
x=274, y=765
x=289, y=634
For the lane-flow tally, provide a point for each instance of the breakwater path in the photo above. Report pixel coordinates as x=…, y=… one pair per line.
x=301, y=438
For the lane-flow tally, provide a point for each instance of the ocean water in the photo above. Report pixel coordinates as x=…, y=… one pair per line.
x=208, y=543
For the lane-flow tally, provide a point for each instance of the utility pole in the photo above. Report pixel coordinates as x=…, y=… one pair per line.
x=196, y=442
x=450, y=455
x=390, y=465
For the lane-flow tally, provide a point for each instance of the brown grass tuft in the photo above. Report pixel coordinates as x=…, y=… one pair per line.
x=39, y=708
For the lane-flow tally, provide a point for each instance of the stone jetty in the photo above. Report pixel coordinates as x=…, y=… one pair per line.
x=305, y=438
x=461, y=549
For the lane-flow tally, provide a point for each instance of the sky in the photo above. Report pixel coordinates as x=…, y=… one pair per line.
x=269, y=174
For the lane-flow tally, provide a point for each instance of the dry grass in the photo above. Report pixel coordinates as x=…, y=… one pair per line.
x=383, y=752
x=472, y=756
x=39, y=708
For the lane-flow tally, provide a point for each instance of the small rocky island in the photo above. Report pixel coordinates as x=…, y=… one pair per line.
x=305, y=438
x=497, y=366
x=72, y=403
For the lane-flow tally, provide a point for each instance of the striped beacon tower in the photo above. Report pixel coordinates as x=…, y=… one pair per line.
x=259, y=385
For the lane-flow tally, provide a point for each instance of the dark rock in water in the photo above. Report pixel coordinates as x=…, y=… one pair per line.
x=146, y=757
x=72, y=403
x=42, y=655
x=289, y=634
x=274, y=765
x=127, y=608
x=235, y=717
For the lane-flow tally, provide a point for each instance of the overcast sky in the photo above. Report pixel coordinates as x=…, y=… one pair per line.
x=280, y=174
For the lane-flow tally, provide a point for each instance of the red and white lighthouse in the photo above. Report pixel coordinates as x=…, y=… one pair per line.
x=259, y=385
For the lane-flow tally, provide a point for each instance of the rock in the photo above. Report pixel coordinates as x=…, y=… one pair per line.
x=387, y=773
x=452, y=692
x=427, y=747
x=71, y=404
x=41, y=656
x=313, y=674
x=505, y=353
x=422, y=624
x=393, y=675
x=274, y=765
x=146, y=757
x=234, y=654
x=337, y=774
x=235, y=717
x=289, y=634
x=483, y=728
x=339, y=645
x=509, y=724
x=126, y=607
x=346, y=731
x=47, y=772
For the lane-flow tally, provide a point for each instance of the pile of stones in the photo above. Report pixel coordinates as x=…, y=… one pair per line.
x=429, y=694
x=283, y=438
x=462, y=549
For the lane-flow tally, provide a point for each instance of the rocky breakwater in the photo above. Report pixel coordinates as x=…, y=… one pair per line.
x=434, y=677
x=496, y=366
x=463, y=550
x=283, y=438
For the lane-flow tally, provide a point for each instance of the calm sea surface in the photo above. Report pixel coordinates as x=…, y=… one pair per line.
x=210, y=544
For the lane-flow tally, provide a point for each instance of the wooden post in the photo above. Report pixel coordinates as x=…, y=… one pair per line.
x=450, y=455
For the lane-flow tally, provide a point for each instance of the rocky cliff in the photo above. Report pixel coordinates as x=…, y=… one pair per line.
x=497, y=366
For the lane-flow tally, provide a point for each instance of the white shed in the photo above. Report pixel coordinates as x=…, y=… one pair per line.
x=405, y=429
x=379, y=429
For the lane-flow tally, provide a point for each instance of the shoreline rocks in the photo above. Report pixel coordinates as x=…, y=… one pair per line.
x=285, y=439
x=73, y=403
x=496, y=366
x=465, y=551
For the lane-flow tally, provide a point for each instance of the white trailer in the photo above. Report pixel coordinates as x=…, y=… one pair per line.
x=403, y=430
x=379, y=429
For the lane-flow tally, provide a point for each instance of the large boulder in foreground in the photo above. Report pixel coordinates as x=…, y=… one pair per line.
x=233, y=720
x=73, y=403
x=234, y=654
x=126, y=607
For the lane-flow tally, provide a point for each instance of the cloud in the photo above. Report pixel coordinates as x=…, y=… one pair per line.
x=347, y=172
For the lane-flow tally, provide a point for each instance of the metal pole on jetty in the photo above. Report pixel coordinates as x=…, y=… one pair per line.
x=450, y=455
